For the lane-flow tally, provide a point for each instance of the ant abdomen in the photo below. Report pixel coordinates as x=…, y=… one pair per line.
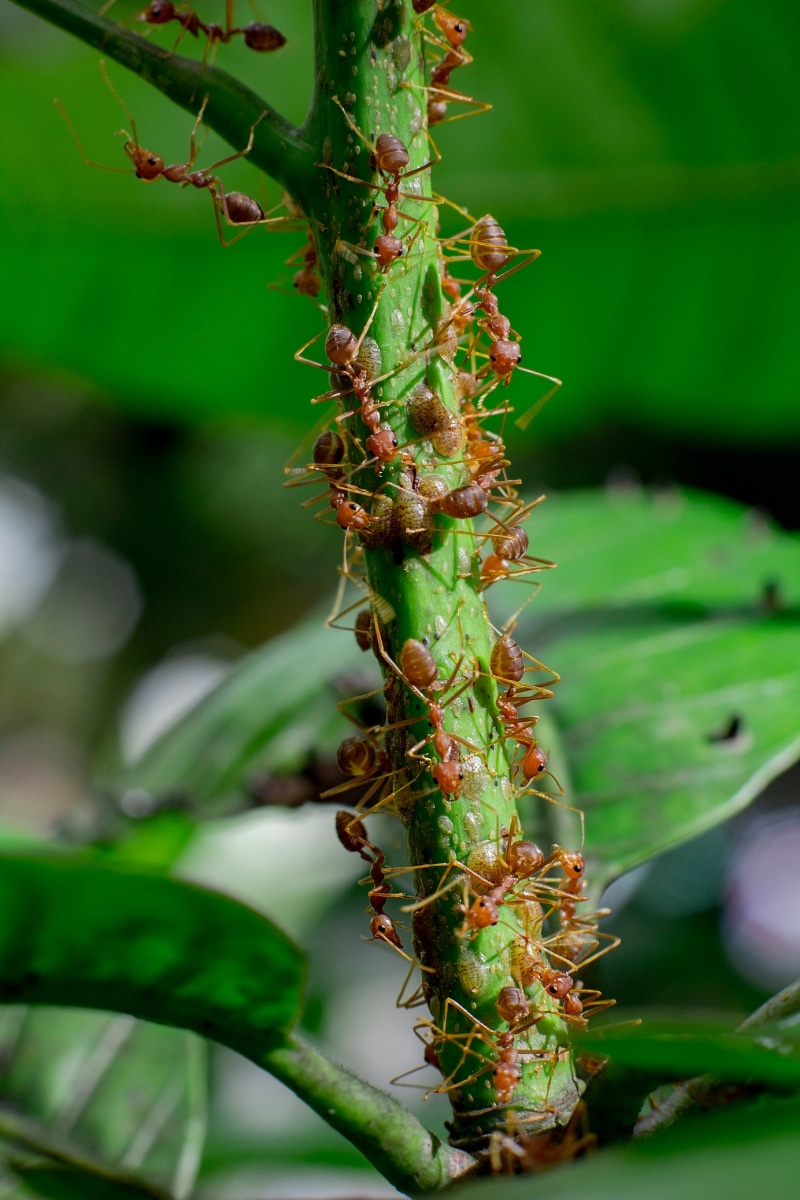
x=391, y=155
x=262, y=38
x=488, y=245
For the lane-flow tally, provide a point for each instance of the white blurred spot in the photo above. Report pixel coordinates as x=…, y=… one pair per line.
x=289, y=864
x=30, y=553
x=91, y=608
x=761, y=929
x=163, y=696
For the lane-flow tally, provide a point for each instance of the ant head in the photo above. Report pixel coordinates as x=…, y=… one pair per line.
x=157, y=13
x=146, y=164
x=572, y=863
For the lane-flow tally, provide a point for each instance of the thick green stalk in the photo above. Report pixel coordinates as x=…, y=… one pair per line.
x=369, y=64
x=369, y=59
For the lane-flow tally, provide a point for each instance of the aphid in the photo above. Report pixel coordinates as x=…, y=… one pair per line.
x=363, y=629
x=237, y=208
x=430, y=417
x=412, y=520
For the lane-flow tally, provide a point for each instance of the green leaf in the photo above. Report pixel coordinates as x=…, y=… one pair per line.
x=626, y=549
x=657, y=619
x=79, y=934
x=122, y=1092
x=668, y=221
x=680, y=1049
x=90, y=936
x=210, y=754
x=63, y=1183
x=732, y=1154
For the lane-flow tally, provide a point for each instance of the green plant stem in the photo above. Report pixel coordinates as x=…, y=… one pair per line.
x=369, y=60
x=233, y=109
x=390, y=1137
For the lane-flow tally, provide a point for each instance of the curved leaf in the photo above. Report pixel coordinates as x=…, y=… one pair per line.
x=681, y=1049
x=619, y=548
x=730, y=1154
x=90, y=936
x=125, y=1093
x=672, y=725
x=211, y=752
x=680, y=688
x=75, y=933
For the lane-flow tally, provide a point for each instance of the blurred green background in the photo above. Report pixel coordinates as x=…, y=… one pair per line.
x=148, y=396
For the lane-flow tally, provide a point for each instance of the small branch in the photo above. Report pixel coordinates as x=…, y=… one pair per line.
x=279, y=148
x=394, y=1141
x=706, y=1089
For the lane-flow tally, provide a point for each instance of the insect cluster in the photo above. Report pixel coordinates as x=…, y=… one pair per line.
x=412, y=466
x=414, y=469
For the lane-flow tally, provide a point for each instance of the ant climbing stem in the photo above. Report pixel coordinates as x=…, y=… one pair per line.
x=353, y=836
x=237, y=208
x=389, y=157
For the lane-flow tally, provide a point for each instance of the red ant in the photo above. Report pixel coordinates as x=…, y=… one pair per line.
x=389, y=157
x=509, y=558
x=237, y=208
x=353, y=836
x=256, y=35
x=506, y=1071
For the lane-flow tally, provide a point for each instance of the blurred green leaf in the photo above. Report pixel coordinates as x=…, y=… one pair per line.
x=667, y=217
x=124, y=1093
x=162, y=950
x=63, y=1183
x=732, y=1154
x=680, y=690
x=631, y=549
x=671, y=725
x=273, y=707
x=681, y=1049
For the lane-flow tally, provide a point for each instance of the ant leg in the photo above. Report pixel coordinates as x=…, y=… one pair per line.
x=88, y=161
x=529, y=791
x=524, y=421
x=193, y=147
x=119, y=100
